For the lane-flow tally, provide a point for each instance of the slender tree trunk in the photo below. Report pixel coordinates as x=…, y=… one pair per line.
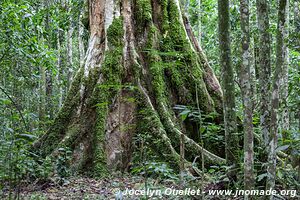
x=284, y=85
x=42, y=94
x=41, y=87
x=296, y=29
x=256, y=67
x=247, y=95
x=59, y=75
x=69, y=41
x=48, y=72
x=199, y=24
x=264, y=66
x=296, y=16
x=227, y=83
x=129, y=84
x=80, y=40
x=70, y=66
x=49, y=93
x=281, y=63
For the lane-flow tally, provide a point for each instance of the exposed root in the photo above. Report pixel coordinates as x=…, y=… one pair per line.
x=190, y=144
x=162, y=133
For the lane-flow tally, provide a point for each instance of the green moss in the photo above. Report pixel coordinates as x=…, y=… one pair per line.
x=112, y=69
x=143, y=11
x=100, y=169
x=179, y=61
x=112, y=72
x=165, y=16
x=151, y=130
x=115, y=32
x=153, y=35
x=158, y=82
x=149, y=126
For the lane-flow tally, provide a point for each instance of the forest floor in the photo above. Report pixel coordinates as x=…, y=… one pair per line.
x=106, y=189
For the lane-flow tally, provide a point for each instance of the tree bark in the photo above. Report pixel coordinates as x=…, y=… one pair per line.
x=281, y=63
x=140, y=62
x=247, y=96
x=42, y=94
x=264, y=66
x=59, y=75
x=231, y=148
x=48, y=72
x=69, y=47
x=284, y=85
x=199, y=23
x=80, y=40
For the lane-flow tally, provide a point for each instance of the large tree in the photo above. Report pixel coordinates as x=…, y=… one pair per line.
x=142, y=59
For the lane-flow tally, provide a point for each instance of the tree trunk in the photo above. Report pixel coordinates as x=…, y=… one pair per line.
x=48, y=72
x=80, y=40
x=264, y=66
x=140, y=62
x=42, y=93
x=247, y=95
x=59, y=75
x=281, y=63
x=284, y=85
x=231, y=148
x=199, y=23
x=69, y=46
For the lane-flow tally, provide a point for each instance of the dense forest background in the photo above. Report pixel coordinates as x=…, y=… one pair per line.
x=249, y=138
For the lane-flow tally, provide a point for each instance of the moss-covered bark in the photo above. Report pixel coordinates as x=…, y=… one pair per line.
x=231, y=142
x=135, y=71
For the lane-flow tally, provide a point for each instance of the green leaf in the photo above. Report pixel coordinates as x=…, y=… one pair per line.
x=184, y=114
x=295, y=53
x=27, y=137
x=5, y=101
x=262, y=176
x=282, y=148
x=101, y=105
x=279, y=174
x=202, y=129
